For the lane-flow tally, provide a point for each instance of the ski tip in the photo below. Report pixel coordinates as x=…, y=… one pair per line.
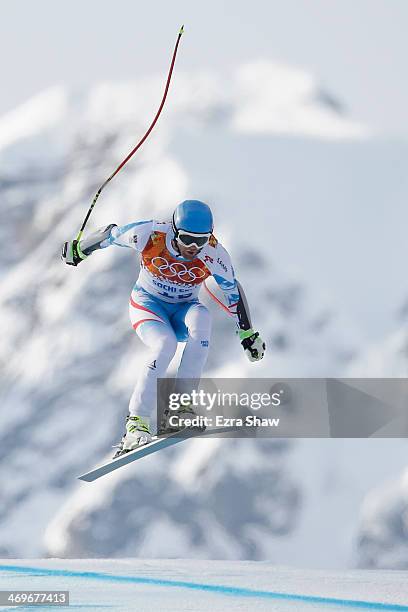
x=85, y=478
x=181, y=30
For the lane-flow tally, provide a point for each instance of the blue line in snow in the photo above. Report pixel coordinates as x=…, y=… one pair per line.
x=209, y=588
x=71, y=606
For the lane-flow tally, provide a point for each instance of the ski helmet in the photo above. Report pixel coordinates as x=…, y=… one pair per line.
x=193, y=216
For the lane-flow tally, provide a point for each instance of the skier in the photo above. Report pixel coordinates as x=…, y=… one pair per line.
x=176, y=257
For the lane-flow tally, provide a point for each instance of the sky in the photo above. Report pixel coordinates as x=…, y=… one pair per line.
x=357, y=48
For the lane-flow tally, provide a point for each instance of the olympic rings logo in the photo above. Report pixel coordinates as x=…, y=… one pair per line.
x=177, y=269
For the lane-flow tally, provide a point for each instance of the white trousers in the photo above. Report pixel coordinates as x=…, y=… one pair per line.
x=160, y=339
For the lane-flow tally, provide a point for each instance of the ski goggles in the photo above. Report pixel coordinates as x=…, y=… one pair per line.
x=188, y=239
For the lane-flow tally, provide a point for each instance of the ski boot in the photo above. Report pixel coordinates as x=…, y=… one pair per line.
x=185, y=411
x=137, y=434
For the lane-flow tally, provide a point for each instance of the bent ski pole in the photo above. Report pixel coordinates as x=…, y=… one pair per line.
x=139, y=144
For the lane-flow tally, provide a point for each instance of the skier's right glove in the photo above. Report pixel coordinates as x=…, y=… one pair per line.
x=253, y=344
x=72, y=254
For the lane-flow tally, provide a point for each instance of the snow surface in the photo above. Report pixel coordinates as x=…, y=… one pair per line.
x=181, y=585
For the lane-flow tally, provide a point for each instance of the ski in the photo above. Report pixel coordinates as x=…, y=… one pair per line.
x=148, y=449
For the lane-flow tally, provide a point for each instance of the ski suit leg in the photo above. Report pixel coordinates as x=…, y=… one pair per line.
x=153, y=327
x=197, y=319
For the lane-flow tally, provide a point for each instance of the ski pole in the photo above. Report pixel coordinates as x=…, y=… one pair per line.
x=139, y=144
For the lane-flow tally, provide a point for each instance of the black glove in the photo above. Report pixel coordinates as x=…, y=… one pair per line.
x=71, y=253
x=253, y=344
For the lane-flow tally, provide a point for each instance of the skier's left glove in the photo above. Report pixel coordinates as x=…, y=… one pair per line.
x=71, y=253
x=253, y=344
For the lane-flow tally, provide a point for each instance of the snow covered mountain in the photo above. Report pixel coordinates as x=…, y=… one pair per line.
x=387, y=358
x=381, y=539
x=219, y=499
x=69, y=357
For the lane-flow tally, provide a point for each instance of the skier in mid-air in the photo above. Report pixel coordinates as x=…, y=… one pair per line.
x=176, y=257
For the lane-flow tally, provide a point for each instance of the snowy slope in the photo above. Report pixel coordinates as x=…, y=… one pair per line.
x=68, y=356
x=180, y=585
